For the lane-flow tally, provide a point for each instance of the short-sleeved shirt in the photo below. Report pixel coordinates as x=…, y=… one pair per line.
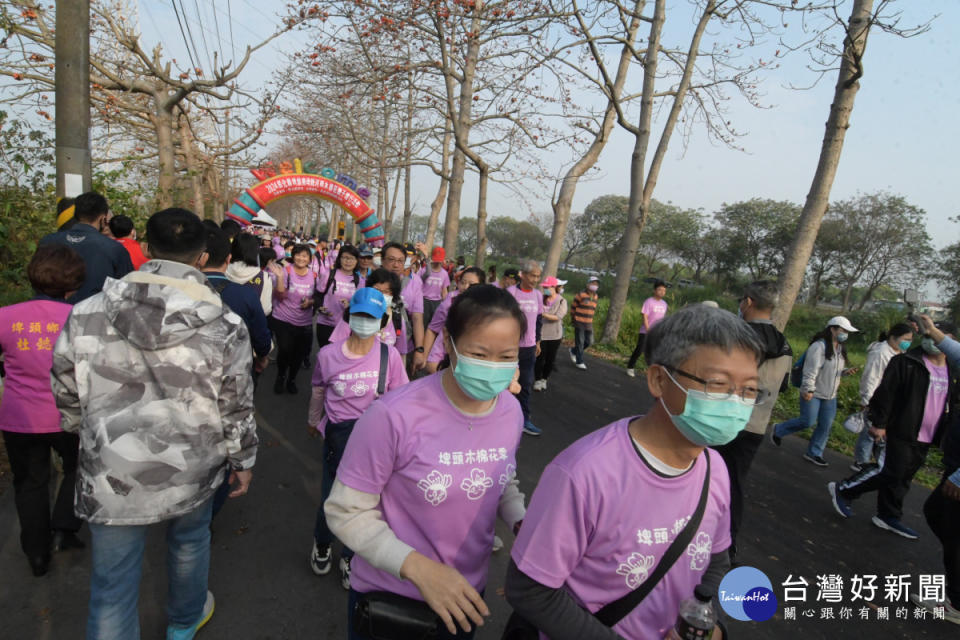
x=28, y=332
x=350, y=381
x=412, y=296
x=438, y=350
x=601, y=518
x=531, y=304
x=439, y=474
x=286, y=306
x=654, y=310
x=435, y=283
x=341, y=290
x=936, y=400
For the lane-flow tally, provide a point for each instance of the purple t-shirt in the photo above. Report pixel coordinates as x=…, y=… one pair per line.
x=28, y=333
x=438, y=350
x=439, y=474
x=338, y=296
x=654, y=310
x=936, y=400
x=286, y=305
x=531, y=303
x=601, y=519
x=350, y=381
x=412, y=296
x=435, y=283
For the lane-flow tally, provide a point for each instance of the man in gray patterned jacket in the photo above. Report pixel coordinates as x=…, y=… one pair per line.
x=154, y=374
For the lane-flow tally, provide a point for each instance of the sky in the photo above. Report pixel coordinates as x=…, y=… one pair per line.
x=902, y=138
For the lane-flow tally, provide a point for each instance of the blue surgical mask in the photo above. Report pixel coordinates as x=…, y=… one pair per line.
x=841, y=337
x=289, y=255
x=929, y=347
x=905, y=345
x=706, y=421
x=482, y=379
x=363, y=325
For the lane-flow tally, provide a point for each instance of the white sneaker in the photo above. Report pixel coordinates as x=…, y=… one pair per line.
x=632, y=373
x=581, y=366
x=543, y=385
x=345, y=573
x=538, y=385
x=497, y=543
x=573, y=358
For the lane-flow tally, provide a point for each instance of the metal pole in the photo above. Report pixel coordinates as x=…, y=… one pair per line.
x=226, y=162
x=72, y=95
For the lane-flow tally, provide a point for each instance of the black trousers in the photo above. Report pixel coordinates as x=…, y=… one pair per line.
x=738, y=454
x=943, y=516
x=324, y=332
x=637, y=351
x=29, y=455
x=892, y=481
x=548, y=355
x=293, y=345
x=528, y=357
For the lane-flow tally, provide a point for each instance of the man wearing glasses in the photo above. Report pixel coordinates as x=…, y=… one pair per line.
x=756, y=307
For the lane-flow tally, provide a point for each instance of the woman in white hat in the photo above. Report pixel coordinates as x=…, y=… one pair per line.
x=823, y=365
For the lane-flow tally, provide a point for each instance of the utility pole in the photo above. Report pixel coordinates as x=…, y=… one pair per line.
x=72, y=95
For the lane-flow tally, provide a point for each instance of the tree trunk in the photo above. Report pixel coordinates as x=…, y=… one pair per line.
x=561, y=208
x=847, y=294
x=482, y=215
x=851, y=68
x=196, y=173
x=437, y=203
x=407, y=153
x=393, y=200
x=163, y=125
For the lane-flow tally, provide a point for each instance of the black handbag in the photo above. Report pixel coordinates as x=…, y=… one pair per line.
x=519, y=629
x=383, y=615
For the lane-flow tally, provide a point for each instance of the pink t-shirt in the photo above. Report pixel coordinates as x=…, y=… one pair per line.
x=936, y=400
x=412, y=296
x=531, y=303
x=439, y=474
x=337, y=296
x=435, y=283
x=28, y=333
x=438, y=350
x=350, y=381
x=387, y=335
x=286, y=305
x=654, y=310
x=601, y=519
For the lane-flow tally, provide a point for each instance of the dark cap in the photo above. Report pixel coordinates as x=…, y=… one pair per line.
x=409, y=249
x=511, y=273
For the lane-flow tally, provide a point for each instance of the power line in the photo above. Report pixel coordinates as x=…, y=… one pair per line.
x=203, y=35
x=233, y=50
x=182, y=33
x=213, y=5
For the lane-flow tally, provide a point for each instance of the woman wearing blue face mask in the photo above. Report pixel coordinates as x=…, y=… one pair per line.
x=427, y=471
x=823, y=365
x=612, y=506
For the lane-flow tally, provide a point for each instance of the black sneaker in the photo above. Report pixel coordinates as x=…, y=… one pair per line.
x=774, y=438
x=278, y=385
x=345, y=573
x=292, y=386
x=66, y=540
x=320, y=560
x=817, y=460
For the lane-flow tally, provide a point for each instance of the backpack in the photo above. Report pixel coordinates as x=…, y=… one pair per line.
x=796, y=372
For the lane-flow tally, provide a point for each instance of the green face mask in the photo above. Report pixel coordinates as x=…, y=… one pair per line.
x=481, y=379
x=706, y=421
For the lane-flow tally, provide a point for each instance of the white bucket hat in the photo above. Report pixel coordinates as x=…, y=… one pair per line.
x=843, y=323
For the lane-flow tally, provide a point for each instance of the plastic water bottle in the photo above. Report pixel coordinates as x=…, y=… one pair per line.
x=697, y=617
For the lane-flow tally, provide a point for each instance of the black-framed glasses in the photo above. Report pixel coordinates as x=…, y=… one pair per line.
x=723, y=390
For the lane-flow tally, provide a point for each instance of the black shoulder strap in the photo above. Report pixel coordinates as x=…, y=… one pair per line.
x=384, y=358
x=617, y=610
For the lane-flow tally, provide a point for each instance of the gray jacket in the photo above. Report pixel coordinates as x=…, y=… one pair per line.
x=154, y=374
x=820, y=375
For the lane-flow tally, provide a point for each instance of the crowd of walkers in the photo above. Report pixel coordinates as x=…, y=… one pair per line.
x=137, y=362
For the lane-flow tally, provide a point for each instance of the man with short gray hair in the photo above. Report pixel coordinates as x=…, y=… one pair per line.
x=756, y=306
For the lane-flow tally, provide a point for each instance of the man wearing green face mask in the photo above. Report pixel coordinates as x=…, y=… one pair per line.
x=609, y=507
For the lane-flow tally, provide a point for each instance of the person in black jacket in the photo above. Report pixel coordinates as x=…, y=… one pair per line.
x=102, y=256
x=910, y=410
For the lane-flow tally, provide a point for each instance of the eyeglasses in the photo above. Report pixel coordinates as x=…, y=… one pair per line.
x=393, y=260
x=721, y=390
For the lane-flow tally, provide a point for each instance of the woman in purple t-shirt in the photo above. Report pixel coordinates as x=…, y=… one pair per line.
x=653, y=311
x=292, y=316
x=430, y=466
x=335, y=292
x=28, y=414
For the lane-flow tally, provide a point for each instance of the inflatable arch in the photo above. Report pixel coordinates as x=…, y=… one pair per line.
x=302, y=180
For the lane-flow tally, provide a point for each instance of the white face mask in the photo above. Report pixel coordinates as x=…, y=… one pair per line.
x=363, y=325
x=376, y=261
x=389, y=300
x=407, y=263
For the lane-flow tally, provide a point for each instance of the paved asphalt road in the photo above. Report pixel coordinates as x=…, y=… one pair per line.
x=264, y=588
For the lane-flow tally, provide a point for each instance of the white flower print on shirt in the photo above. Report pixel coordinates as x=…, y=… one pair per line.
x=339, y=387
x=359, y=388
x=699, y=551
x=477, y=484
x=636, y=569
x=507, y=474
x=434, y=487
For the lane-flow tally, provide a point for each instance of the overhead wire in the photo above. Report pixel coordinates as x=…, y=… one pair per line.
x=189, y=33
x=203, y=36
x=193, y=64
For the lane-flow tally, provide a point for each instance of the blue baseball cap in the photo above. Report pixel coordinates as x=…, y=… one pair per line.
x=370, y=301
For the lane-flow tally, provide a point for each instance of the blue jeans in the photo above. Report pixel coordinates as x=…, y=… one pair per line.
x=812, y=412
x=865, y=447
x=582, y=339
x=528, y=359
x=117, y=558
x=334, y=444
